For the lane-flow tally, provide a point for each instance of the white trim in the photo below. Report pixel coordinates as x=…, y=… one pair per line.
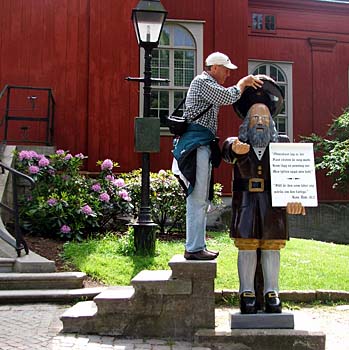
x=286, y=67
x=170, y=20
x=269, y=61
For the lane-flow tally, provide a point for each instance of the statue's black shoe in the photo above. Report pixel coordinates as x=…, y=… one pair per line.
x=272, y=303
x=248, y=303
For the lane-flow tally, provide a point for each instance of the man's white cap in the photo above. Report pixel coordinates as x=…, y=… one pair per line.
x=220, y=59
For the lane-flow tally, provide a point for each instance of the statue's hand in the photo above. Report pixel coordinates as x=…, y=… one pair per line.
x=295, y=208
x=239, y=147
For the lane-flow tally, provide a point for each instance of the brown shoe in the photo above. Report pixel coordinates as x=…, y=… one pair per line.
x=212, y=252
x=200, y=255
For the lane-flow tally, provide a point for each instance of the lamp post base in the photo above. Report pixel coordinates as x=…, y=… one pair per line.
x=144, y=238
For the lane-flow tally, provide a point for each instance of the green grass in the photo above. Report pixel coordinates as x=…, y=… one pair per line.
x=305, y=264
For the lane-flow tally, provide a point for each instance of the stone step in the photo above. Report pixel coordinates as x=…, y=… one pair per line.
x=114, y=299
x=6, y=264
x=80, y=317
x=186, y=269
x=160, y=282
x=51, y=280
x=48, y=295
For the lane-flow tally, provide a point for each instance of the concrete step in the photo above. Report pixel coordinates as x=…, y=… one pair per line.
x=6, y=264
x=51, y=280
x=160, y=282
x=48, y=295
x=80, y=317
x=114, y=299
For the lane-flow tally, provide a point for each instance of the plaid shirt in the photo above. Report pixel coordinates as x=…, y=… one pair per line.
x=203, y=92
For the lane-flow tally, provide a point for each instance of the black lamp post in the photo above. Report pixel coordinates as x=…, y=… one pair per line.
x=148, y=18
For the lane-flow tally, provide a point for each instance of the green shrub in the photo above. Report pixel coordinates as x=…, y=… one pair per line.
x=67, y=204
x=332, y=151
x=168, y=200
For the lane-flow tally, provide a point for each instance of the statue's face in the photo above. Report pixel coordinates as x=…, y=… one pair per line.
x=259, y=117
x=259, y=133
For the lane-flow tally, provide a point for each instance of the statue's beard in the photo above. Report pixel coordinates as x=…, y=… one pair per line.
x=260, y=138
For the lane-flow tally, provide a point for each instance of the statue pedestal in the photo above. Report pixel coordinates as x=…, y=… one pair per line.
x=260, y=320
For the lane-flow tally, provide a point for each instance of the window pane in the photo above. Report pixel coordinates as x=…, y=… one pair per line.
x=189, y=76
x=189, y=59
x=159, y=104
x=160, y=65
x=281, y=76
x=182, y=37
x=269, y=22
x=273, y=72
x=178, y=77
x=163, y=99
x=260, y=70
x=165, y=36
x=257, y=21
x=280, y=124
x=178, y=97
x=162, y=115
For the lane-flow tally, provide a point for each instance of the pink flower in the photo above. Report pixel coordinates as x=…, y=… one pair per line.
x=119, y=183
x=44, y=162
x=104, y=197
x=109, y=177
x=65, y=229
x=60, y=152
x=68, y=156
x=33, y=169
x=33, y=154
x=86, y=209
x=96, y=187
x=27, y=155
x=124, y=195
x=79, y=155
x=107, y=165
x=51, y=201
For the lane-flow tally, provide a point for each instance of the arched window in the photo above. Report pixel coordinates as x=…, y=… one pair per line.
x=282, y=74
x=174, y=59
x=179, y=58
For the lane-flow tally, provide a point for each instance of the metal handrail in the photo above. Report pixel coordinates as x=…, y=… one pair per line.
x=19, y=242
x=49, y=118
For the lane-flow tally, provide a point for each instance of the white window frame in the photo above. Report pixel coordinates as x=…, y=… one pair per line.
x=196, y=29
x=285, y=67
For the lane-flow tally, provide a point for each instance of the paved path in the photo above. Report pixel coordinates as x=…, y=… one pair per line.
x=37, y=327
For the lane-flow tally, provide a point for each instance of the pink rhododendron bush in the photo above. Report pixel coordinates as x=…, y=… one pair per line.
x=66, y=203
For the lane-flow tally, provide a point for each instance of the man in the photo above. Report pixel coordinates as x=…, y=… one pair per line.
x=255, y=223
x=192, y=150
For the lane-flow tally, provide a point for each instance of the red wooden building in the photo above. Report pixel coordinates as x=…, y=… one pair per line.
x=84, y=50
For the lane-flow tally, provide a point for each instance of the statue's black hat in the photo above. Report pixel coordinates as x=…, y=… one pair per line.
x=269, y=94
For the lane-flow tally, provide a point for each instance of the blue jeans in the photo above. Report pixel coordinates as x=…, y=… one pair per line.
x=197, y=203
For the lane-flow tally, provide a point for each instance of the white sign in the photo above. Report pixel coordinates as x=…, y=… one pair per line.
x=292, y=172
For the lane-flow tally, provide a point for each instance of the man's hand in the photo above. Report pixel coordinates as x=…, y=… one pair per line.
x=250, y=80
x=295, y=208
x=239, y=147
